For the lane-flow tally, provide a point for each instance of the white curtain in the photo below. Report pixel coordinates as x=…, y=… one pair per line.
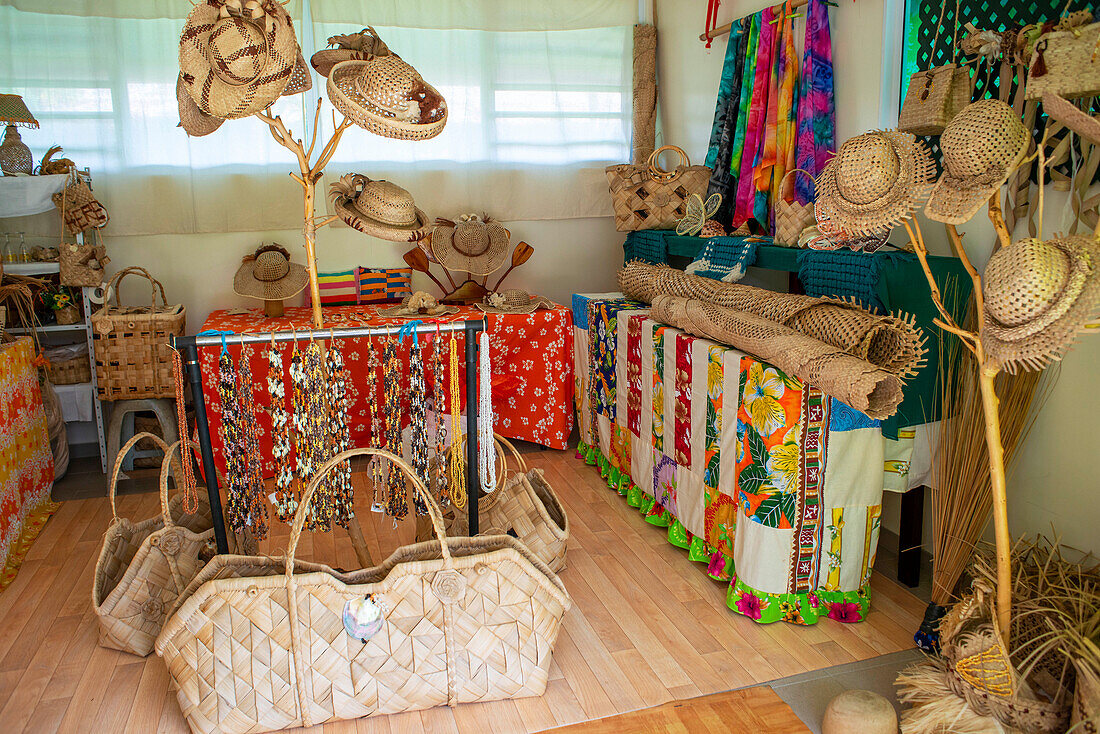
x=534, y=113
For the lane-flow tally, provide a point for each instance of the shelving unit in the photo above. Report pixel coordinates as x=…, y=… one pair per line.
x=92, y=298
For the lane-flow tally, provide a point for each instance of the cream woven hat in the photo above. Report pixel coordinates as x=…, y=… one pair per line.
x=470, y=245
x=237, y=56
x=269, y=274
x=981, y=146
x=385, y=95
x=513, y=300
x=1038, y=296
x=381, y=209
x=351, y=47
x=874, y=182
x=417, y=305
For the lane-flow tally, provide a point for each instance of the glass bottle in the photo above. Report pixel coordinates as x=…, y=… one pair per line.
x=5, y=254
x=24, y=256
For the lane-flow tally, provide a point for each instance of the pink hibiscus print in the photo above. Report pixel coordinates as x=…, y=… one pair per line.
x=812, y=598
x=750, y=605
x=844, y=611
x=717, y=564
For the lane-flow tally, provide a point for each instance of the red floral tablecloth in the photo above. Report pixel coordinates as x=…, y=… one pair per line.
x=531, y=357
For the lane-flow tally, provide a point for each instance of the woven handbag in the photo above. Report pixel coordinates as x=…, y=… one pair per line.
x=260, y=643
x=791, y=217
x=82, y=264
x=79, y=208
x=1066, y=63
x=144, y=566
x=936, y=95
x=649, y=197
x=131, y=360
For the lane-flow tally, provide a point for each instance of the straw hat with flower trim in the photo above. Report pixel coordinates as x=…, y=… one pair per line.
x=269, y=275
x=470, y=245
x=418, y=304
x=237, y=56
x=381, y=209
x=981, y=146
x=513, y=300
x=1039, y=294
x=874, y=182
x=351, y=47
x=385, y=95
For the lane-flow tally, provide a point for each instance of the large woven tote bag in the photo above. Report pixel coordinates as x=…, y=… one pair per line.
x=144, y=566
x=649, y=197
x=259, y=643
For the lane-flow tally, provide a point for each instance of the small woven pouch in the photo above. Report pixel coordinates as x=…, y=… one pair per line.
x=79, y=208
x=1065, y=62
x=791, y=217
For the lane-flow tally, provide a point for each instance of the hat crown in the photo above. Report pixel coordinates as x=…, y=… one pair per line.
x=471, y=236
x=985, y=134
x=386, y=202
x=387, y=81
x=270, y=266
x=867, y=168
x=237, y=50
x=1029, y=276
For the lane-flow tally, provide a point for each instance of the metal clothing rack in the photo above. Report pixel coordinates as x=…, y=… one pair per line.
x=188, y=346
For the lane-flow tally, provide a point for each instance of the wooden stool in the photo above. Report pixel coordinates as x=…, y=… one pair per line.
x=122, y=420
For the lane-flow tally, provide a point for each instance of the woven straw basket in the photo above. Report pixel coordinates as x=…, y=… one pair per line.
x=131, y=361
x=1071, y=61
x=648, y=197
x=82, y=264
x=261, y=643
x=933, y=98
x=144, y=566
x=525, y=507
x=791, y=217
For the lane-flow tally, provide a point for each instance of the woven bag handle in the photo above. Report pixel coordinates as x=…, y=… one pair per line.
x=653, y=165
x=501, y=440
x=434, y=512
x=116, y=280
x=502, y=457
x=118, y=465
x=165, y=468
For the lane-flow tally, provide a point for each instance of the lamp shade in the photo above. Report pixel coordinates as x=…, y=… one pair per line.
x=14, y=112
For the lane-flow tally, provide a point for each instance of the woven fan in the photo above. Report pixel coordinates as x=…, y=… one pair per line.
x=698, y=212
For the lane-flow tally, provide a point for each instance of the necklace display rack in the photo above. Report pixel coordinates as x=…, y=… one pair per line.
x=188, y=346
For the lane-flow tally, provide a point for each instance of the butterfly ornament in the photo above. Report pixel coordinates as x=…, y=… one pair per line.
x=698, y=212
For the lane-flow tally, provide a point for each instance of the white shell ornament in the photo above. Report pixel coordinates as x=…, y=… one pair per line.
x=363, y=617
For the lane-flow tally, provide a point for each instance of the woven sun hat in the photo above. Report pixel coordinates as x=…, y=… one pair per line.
x=981, y=146
x=300, y=79
x=385, y=95
x=513, y=300
x=1039, y=294
x=381, y=209
x=472, y=245
x=268, y=274
x=237, y=56
x=417, y=305
x=351, y=47
x=194, y=121
x=874, y=182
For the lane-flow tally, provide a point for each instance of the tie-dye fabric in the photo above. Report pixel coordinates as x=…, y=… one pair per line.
x=755, y=130
x=724, y=128
x=786, y=131
x=762, y=173
x=748, y=79
x=816, y=111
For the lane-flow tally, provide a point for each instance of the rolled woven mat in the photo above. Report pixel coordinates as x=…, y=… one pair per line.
x=891, y=343
x=851, y=380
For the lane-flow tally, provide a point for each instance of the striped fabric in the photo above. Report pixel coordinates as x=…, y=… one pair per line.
x=339, y=288
x=384, y=284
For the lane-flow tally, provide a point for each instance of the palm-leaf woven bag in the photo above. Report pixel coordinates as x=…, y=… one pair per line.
x=144, y=566
x=649, y=197
x=936, y=95
x=260, y=644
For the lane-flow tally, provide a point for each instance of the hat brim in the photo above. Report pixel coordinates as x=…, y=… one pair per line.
x=247, y=285
x=194, y=121
x=232, y=101
x=393, y=233
x=339, y=78
x=324, y=60
x=917, y=171
x=1036, y=350
x=300, y=78
x=401, y=311
x=953, y=203
x=536, y=303
x=486, y=263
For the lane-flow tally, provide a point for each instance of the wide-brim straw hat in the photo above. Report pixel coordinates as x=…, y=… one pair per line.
x=470, y=245
x=513, y=300
x=381, y=209
x=269, y=275
x=1039, y=294
x=874, y=182
x=385, y=95
x=236, y=58
x=352, y=47
x=194, y=121
x=981, y=146
x=416, y=306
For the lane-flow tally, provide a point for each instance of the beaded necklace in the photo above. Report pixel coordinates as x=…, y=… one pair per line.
x=287, y=495
x=189, y=487
x=377, y=439
x=418, y=439
x=396, y=504
x=233, y=440
x=485, y=448
x=437, y=406
x=255, y=508
x=456, y=486
x=307, y=373
x=339, y=436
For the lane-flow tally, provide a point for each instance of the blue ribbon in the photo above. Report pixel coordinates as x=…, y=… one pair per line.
x=215, y=332
x=409, y=329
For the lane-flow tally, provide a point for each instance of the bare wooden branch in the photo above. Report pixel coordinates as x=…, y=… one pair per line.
x=316, y=127
x=996, y=216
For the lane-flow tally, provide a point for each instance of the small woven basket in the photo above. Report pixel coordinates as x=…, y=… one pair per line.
x=144, y=566
x=933, y=98
x=75, y=371
x=791, y=217
x=67, y=315
x=82, y=264
x=1071, y=63
x=131, y=360
x=649, y=197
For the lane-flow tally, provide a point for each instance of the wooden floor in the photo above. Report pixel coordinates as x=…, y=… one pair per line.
x=647, y=627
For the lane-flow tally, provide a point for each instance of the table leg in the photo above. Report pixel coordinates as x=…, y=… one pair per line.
x=911, y=536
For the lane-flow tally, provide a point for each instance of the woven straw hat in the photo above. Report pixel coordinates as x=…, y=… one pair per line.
x=385, y=95
x=269, y=274
x=981, y=145
x=237, y=57
x=194, y=121
x=1038, y=296
x=513, y=300
x=352, y=47
x=417, y=305
x=470, y=245
x=381, y=209
x=874, y=182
